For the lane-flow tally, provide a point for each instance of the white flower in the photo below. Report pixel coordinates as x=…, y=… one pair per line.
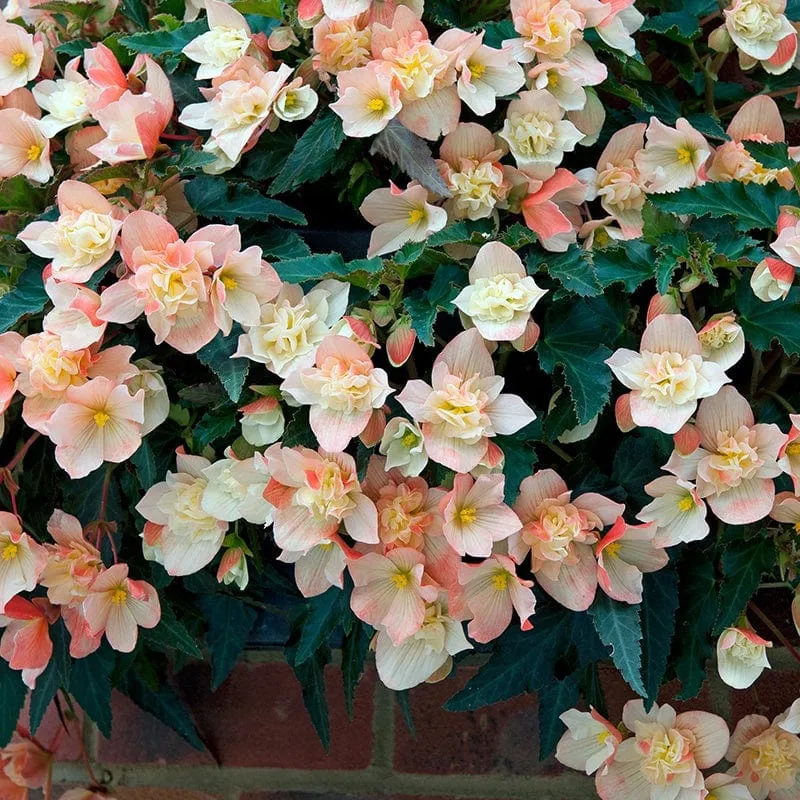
x=295, y=101
x=235, y=490
x=227, y=40
x=67, y=100
x=403, y=445
x=262, y=421
x=741, y=656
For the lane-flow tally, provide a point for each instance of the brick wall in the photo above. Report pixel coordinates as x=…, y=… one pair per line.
x=265, y=748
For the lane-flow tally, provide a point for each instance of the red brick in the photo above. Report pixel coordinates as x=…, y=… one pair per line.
x=503, y=738
x=139, y=738
x=257, y=719
x=771, y=695
x=52, y=734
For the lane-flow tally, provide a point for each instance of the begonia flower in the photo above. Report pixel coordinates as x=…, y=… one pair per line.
x=368, y=100
x=318, y=569
x=262, y=421
x=24, y=149
x=677, y=511
x=22, y=559
x=21, y=56
x=741, y=656
x=403, y=445
x=673, y=158
x=235, y=490
x=66, y=100
x=589, y=742
x=772, y=279
x=227, y=40
x=26, y=644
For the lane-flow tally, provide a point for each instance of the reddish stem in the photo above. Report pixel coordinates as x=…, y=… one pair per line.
x=775, y=630
x=21, y=452
x=178, y=137
x=101, y=514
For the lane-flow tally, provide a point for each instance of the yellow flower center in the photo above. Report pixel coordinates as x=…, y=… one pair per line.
x=19, y=59
x=476, y=70
x=409, y=440
x=377, y=104
x=553, y=79
x=797, y=527
x=34, y=151
x=613, y=549
x=415, y=216
x=602, y=736
x=684, y=155
x=686, y=503
x=500, y=581
x=467, y=515
x=119, y=597
x=229, y=283
x=10, y=551
x=100, y=419
x=793, y=449
x=400, y=580
x=289, y=100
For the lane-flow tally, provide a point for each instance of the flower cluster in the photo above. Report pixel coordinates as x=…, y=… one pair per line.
x=555, y=393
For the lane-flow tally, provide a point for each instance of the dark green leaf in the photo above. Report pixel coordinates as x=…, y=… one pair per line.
x=462, y=232
x=520, y=458
x=630, y=263
x=423, y=306
x=144, y=461
x=136, y=11
x=19, y=195
x=765, y=322
x=214, y=197
x=230, y=622
x=27, y=297
x=354, y=653
x=322, y=614
x=12, y=698
x=405, y=149
x=619, y=627
x=90, y=685
x=682, y=26
x=171, y=634
x=55, y=676
x=659, y=604
x=217, y=355
x=554, y=700
x=522, y=661
x=264, y=8
x=163, y=704
x=743, y=564
x=164, y=42
x=573, y=269
x=314, y=267
x=282, y=245
x=312, y=156
x=751, y=205
x=213, y=426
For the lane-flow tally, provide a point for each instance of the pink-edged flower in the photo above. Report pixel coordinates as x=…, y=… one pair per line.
x=74, y=315
x=233, y=568
x=368, y=100
x=617, y=181
x=559, y=531
x=551, y=27
x=500, y=295
x=26, y=643
x=82, y=642
x=551, y=209
x=757, y=120
x=24, y=149
x=404, y=447
x=475, y=516
x=66, y=99
x=98, y=421
x=789, y=454
x=342, y=388
x=725, y=787
x=492, y=592
x=133, y=123
x=589, y=742
x=484, y=74
x=665, y=756
x=156, y=398
x=677, y=511
x=772, y=279
x=72, y=562
x=408, y=509
x=787, y=245
x=463, y=409
x=741, y=656
x=427, y=655
x=537, y=133
x=118, y=606
x=623, y=555
x=757, y=27
x=669, y=374
x=722, y=340
x=21, y=559
x=293, y=325
x=400, y=216
x=617, y=28
x=10, y=344
x=786, y=509
x=21, y=56
x=341, y=45
x=240, y=286
x=313, y=494
x=166, y=280
x=82, y=239
x=391, y=591
x=673, y=158
x=766, y=757
x=470, y=165
x=737, y=462
x=238, y=107
x=25, y=762
x=106, y=76
x=227, y=39
x=262, y=421
x=179, y=534
x=317, y=569
x=295, y=101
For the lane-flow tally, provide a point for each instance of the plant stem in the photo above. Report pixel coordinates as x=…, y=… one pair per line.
x=561, y=453
x=21, y=452
x=774, y=628
x=101, y=514
x=779, y=400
